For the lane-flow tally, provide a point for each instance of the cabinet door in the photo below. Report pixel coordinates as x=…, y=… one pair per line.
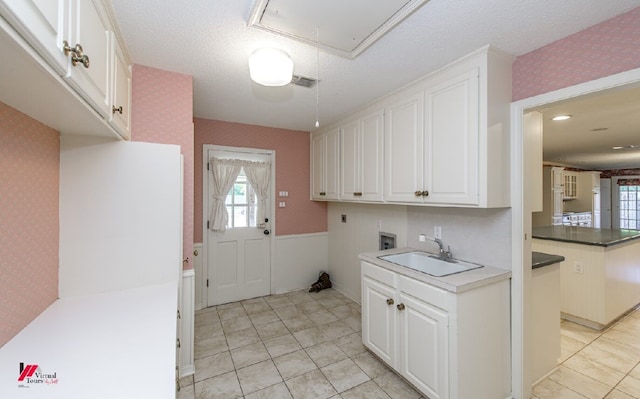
x=350, y=140
x=424, y=346
x=404, y=146
x=570, y=185
x=91, y=29
x=120, y=92
x=332, y=164
x=451, y=140
x=557, y=177
x=379, y=319
x=44, y=24
x=371, y=130
x=557, y=204
x=318, y=144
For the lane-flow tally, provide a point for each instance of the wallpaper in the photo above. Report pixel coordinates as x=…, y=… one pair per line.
x=29, y=233
x=162, y=112
x=301, y=215
x=601, y=50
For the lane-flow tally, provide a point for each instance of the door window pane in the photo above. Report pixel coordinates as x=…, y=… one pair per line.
x=241, y=203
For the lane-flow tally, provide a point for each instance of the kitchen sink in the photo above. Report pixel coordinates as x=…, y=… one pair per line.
x=428, y=263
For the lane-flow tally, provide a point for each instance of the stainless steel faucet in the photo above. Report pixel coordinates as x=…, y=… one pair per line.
x=442, y=254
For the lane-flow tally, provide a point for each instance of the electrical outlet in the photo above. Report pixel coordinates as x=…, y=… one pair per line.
x=437, y=232
x=578, y=267
x=422, y=238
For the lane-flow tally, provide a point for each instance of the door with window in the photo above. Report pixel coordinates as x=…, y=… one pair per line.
x=239, y=233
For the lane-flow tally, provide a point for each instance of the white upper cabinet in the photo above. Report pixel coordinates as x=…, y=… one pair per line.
x=325, y=165
x=77, y=39
x=404, y=146
x=44, y=24
x=445, y=139
x=361, y=163
x=456, y=152
x=90, y=29
x=120, y=92
x=451, y=140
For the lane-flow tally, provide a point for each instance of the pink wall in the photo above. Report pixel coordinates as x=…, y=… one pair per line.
x=29, y=232
x=301, y=215
x=162, y=112
x=601, y=50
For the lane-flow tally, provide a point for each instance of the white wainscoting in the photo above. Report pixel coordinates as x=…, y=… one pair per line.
x=199, y=281
x=298, y=260
x=187, y=315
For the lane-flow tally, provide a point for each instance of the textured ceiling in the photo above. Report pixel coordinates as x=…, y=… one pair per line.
x=598, y=123
x=211, y=41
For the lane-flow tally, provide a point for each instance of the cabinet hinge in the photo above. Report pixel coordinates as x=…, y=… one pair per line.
x=208, y=166
x=207, y=282
x=207, y=224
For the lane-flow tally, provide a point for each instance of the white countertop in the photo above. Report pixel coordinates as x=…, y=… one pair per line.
x=455, y=283
x=114, y=345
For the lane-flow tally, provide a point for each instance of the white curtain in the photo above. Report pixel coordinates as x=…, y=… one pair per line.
x=259, y=176
x=225, y=172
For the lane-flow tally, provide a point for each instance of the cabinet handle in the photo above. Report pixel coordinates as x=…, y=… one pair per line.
x=425, y=193
x=323, y=193
x=390, y=302
x=178, y=342
x=357, y=194
x=400, y=307
x=418, y=193
x=119, y=109
x=76, y=54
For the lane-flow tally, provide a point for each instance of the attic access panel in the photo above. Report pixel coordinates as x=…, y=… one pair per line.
x=347, y=27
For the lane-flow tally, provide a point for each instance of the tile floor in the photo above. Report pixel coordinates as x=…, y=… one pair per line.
x=296, y=345
x=596, y=364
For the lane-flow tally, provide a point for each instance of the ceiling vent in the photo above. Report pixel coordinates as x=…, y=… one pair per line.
x=303, y=81
x=346, y=28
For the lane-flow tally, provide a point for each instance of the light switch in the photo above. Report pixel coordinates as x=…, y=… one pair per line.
x=282, y=204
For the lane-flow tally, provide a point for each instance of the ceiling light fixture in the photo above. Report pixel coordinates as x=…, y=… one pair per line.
x=270, y=67
x=561, y=117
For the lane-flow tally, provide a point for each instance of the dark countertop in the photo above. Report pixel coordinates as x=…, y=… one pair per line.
x=540, y=259
x=585, y=235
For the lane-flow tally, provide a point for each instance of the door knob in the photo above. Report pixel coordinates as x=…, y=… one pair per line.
x=389, y=301
x=267, y=232
x=400, y=306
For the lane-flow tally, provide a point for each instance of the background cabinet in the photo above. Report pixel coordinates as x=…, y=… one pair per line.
x=325, y=165
x=361, y=144
x=570, y=185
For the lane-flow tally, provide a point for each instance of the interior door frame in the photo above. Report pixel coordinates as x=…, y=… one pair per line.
x=521, y=220
x=205, y=207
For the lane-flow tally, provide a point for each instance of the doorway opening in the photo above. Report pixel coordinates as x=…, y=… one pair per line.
x=521, y=216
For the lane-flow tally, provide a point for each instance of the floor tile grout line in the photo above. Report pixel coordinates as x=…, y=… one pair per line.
x=600, y=335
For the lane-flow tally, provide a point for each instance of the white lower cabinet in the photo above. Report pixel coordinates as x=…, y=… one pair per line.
x=446, y=344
